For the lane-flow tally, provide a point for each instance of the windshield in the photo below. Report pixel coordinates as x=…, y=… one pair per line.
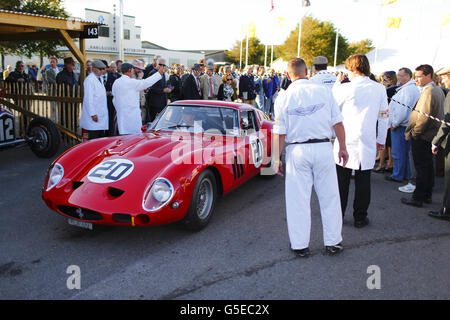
x=214, y=120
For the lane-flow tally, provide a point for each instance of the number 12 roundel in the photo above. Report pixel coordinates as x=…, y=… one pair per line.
x=110, y=171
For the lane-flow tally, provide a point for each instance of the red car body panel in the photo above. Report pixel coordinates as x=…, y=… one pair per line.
x=154, y=155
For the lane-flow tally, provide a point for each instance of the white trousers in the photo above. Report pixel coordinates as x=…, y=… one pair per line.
x=308, y=165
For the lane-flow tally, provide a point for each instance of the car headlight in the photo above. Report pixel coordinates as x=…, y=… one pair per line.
x=54, y=176
x=157, y=195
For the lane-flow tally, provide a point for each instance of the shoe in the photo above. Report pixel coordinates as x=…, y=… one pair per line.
x=379, y=170
x=428, y=200
x=439, y=215
x=389, y=178
x=389, y=169
x=412, y=202
x=409, y=188
x=333, y=250
x=361, y=223
x=302, y=253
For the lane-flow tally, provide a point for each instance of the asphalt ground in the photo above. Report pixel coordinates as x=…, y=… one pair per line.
x=243, y=254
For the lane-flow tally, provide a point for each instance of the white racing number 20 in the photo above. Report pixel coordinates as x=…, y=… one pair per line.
x=111, y=171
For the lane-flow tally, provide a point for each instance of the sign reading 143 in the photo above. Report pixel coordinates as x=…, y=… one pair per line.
x=110, y=171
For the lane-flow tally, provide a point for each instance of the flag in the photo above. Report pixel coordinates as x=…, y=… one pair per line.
x=251, y=29
x=446, y=20
x=393, y=22
x=386, y=2
x=280, y=22
x=271, y=5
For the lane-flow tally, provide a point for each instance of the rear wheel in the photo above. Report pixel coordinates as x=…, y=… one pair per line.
x=44, y=137
x=202, y=202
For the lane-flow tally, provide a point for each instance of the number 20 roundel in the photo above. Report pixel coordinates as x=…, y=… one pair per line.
x=110, y=171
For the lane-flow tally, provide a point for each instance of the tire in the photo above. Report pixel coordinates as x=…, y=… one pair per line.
x=202, y=202
x=44, y=137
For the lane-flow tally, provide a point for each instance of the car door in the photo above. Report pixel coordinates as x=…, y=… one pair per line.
x=253, y=143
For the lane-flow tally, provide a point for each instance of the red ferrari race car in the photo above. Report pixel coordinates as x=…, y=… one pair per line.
x=192, y=153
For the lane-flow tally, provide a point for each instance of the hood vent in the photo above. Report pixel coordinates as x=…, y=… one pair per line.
x=76, y=184
x=114, y=192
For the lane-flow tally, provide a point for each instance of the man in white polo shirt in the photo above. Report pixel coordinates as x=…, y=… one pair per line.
x=306, y=114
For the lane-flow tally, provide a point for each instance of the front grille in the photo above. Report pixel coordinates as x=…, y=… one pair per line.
x=80, y=213
x=122, y=217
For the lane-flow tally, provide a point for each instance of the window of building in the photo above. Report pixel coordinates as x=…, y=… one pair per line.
x=126, y=34
x=138, y=36
x=103, y=32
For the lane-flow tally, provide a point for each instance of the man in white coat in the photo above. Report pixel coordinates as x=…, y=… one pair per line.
x=363, y=102
x=94, y=114
x=127, y=99
x=306, y=118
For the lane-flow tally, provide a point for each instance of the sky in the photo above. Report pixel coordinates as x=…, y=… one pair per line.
x=217, y=24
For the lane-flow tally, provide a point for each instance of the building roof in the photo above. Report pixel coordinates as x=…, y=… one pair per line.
x=49, y=17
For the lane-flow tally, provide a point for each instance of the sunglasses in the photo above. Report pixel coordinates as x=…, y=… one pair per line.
x=384, y=80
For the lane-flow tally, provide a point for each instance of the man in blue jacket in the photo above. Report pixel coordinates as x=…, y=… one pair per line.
x=271, y=85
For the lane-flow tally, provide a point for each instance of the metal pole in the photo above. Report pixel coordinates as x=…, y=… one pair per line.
x=121, y=31
x=240, y=57
x=246, y=51
x=336, y=47
x=271, y=57
x=265, y=57
x=299, y=37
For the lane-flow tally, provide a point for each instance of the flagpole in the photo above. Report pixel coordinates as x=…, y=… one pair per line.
x=240, y=55
x=265, y=57
x=246, y=51
x=336, y=47
x=271, y=57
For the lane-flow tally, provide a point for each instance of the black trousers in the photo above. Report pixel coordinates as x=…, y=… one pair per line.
x=423, y=163
x=361, y=201
x=94, y=134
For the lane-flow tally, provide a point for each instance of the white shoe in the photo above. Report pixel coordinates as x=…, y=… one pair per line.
x=409, y=188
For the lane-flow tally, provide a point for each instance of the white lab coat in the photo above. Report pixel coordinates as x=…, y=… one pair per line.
x=363, y=102
x=126, y=101
x=325, y=78
x=94, y=103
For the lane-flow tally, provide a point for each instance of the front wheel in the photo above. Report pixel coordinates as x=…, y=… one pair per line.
x=202, y=202
x=44, y=137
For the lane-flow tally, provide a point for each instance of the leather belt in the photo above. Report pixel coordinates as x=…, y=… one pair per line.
x=312, y=141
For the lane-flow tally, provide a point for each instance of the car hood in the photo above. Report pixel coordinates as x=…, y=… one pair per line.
x=151, y=154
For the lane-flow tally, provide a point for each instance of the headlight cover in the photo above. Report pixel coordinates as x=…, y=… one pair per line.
x=157, y=195
x=54, y=176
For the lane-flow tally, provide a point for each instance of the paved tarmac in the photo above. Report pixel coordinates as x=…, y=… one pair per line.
x=242, y=254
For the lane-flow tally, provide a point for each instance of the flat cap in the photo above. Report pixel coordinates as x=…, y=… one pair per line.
x=197, y=66
x=443, y=70
x=125, y=67
x=320, y=60
x=98, y=64
x=69, y=60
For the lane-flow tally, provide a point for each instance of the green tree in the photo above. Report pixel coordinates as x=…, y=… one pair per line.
x=317, y=39
x=27, y=48
x=255, y=52
x=361, y=47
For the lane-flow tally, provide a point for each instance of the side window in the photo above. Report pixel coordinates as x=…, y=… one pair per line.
x=230, y=120
x=248, y=121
